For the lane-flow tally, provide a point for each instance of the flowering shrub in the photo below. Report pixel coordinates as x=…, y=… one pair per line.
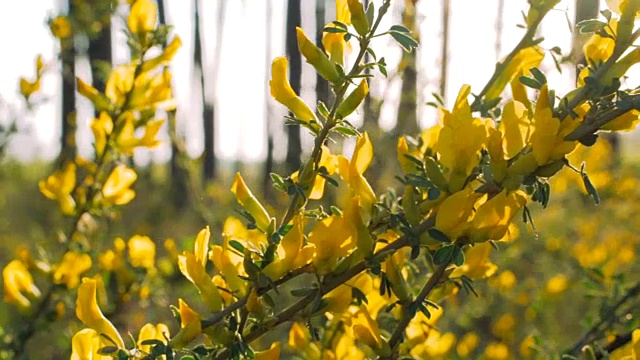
x=369, y=278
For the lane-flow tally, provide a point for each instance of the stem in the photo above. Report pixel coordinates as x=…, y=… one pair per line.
x=309, y=170
x=597, y=330
x=407, y=315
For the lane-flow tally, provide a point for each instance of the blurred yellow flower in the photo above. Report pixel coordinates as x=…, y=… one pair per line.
x=273, y=353
x=190, y=326
x=152, y=332
x=629, y=351
x=59, y=186
x=60, y=27
x=116, y=189
x=467, y=344
x=557, y=284
x=73, y=265
x=364, y=329
x=17, y=282
x=142, y=251
x=496, y=351
x=456, y=212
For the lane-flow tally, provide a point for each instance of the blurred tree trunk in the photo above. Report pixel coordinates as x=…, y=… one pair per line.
x=499, y=27
x=585, y=10
x=445, y=47
x=370, y=110
x=268, y=164
x=68, y=149
x=294, y=145
x=407, y=122
x=100, y=56
x=322, y=86
x=208, y=108
x=178, y=179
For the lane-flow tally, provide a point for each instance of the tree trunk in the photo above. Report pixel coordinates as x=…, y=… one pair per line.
x=322, y=86
x=208, y=109
x=407, y=122
x=68, y=148
x=294, y=145
x=269, y=163
x=100, y=56
x=179, y=189
x=445, y=48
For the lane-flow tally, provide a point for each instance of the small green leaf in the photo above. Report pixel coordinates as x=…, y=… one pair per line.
x=590, y=26
x=458, y=256
x=532, y=83
x=359, y=296
x=438, y=235
x=370, y=13
x=591, y=190
x=405, y=41
x=400, y=28
x=329, y=179
x=538, y=75
x=443, y=255
x=340, y=25
x=236, y=245
x=107, y=350
x=334, y=30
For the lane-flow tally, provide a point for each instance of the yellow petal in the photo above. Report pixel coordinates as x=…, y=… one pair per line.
x=89, y=313
x=246, y=199
x=317, y=58
x=16, y=281
x=151, y=332
x=116, y=187
x=85, y=345
x=142, y=251
x=143, y=16
x=283, y=93
x=273, y=353
x=362, y=154
x=73, y=265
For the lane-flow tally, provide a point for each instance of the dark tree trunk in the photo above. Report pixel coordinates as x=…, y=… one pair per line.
x=294, y=145
x=68, y=148
x=208, y=109
x=179, y=190
x=407, y=122
x=322, y=86
x=100, y=55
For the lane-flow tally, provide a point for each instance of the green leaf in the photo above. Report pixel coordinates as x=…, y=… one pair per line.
x=372, y=53
x=359, y=296
x=346, y=131
x=400, y=28
x=538, y=75
x=433, y=193
x=458, y=256
x=151, y=342
x=329, y=179
x=107, y=350
x=405, y=41
x=588, y=185
x=438, y=235
x=590, y=26
x=532, y=83
x=322, y=109
x=236, y=245
x=443, y=255
x=370, y=13
x=334, y=30
x=340, y=25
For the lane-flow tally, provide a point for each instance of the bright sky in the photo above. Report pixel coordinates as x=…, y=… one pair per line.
x=242, y=83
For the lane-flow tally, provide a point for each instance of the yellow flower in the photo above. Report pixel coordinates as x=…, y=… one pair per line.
x=288, y=250
x=503, y=327
x=467, y=344
x=493, y=218
x=629, y=351
x=299, y=336
x=352, y=172
x=163, y=59
x=142, y=251
x=477, y=264
x=547, y=139
x=246, y=199
x=190, y=326
x=85, y=345
x=333, y=239
x=100, y=102
x=193, y=267
x=101, y=128
x=17, y=282
x=330, y=163
x=456, y=212
x=119, y=84
x=152, y=90
x=515, y=127
x=365, y=329
x=116, y=189
x=599, y=48
x=334, y=43
x=317, y=58
x=143, y=16
x=73, y=265
x=89, y=313
x=283, y=93
x=557, y=284
x=526, y=345
x=60, y=27
x=126, y=138
x=524, y=60
x=273, y=353
x=339, y=299
x=28, y=88
x=151, y=332
x=496, y=351
x=460, y=140
x=59, y=187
